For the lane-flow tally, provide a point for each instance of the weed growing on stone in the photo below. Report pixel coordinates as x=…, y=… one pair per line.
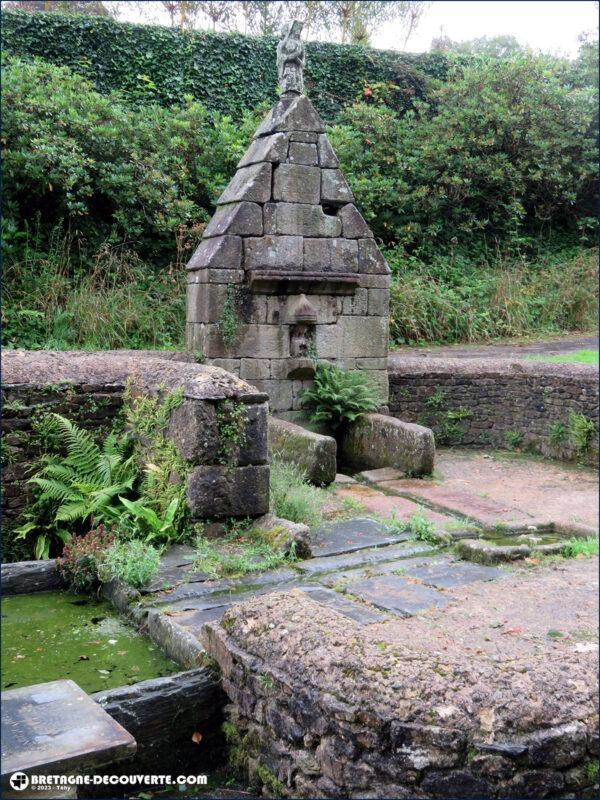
x=228, y=322
x=557, y=434
x=418, y=525
x=231, y=422
x=133, y=562
x=238, y=553
x=581, y=548
x=581, y=430
x=513, y=439
x=351, y=505
x=292, y=497
x=591, y=769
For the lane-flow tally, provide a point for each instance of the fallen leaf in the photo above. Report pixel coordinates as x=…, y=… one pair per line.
x=83, y=658
x=517, y=631
x=196, y=737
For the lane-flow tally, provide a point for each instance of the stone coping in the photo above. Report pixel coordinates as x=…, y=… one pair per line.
x=150, y=370
x=494, y=367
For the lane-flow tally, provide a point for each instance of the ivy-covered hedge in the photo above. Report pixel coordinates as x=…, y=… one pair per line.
x=230, y=73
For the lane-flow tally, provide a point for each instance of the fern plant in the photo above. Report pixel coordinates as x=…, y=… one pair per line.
x=338, y=395
x=88, y=481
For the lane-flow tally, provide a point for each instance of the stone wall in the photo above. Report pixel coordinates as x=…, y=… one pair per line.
x=88, y=389
x=163, y=714
x=320, y=708
x=498, y=403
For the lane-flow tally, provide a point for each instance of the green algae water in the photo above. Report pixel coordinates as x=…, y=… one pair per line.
x=47, y=636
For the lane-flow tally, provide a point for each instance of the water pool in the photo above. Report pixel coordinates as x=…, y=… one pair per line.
x=51, y=635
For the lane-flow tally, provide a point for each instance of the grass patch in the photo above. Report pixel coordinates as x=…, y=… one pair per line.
x=417, y=525
x=293, y=497
x=577, y=357
x=581, y=548
x=241, y=551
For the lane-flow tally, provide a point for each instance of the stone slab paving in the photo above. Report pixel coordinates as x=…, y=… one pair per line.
x=516, y=491
x=56, y=728
x=394, y=593
x=375, y=501
x=334, y=538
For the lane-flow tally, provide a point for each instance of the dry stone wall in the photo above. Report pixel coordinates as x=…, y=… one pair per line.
x=288, y=270
x=499, y=403
x=88, y=389
x=321, y=709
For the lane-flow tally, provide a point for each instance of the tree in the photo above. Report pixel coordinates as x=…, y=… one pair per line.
x=502, y=46
x=355, y=21
x=182, y=13
x=92, y=7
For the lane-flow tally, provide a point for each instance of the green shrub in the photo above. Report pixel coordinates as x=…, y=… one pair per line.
x=81, y=559
x=292, y=497
x=339, y=395
x=582, y=431
x=86, y=482
x=513, y=439
x=133, y=562
x=503, y=151
x=581, y=548
x=417, y=525
x=231, y=73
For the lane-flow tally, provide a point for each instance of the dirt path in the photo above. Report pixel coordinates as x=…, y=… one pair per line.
x=516, y=349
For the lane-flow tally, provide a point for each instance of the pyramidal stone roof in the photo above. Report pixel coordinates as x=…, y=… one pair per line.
x=288, y=208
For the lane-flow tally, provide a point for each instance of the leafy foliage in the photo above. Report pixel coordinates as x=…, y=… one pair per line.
x=88, y=481
x=581, y=548
x=338, y=395
x=504, y=150
x=229, y=73
x=147, y=522
x=133, y=562
x=78, y=565
x=292, y=496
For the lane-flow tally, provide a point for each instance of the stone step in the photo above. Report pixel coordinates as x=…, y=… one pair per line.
x=347, y=536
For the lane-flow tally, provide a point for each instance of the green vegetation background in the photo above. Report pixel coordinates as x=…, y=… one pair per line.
x=478, y=176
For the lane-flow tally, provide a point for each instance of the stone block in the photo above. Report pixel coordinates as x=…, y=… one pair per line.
x=334, y=188
x=228, y=364
x=353, y=224
x=219, y=252
x=23, y=577
x=279, y=392
x=300, y=219
x=327, y=340
x=193, y=428
x=269, y=218
x=375, y=281
x=312, y=452
x=268, y=148
x=251, y=183
x=379, y=302
x=376, y=441
x=291, y=113
x=252, y=341
x=241, y=219
x=295, y=183
x=327, y=158
x=356, y=304
x=284, y=534
x=255, y=368
x=370, y=259
x=317, y=255
x=327, y=307
x=205, y=301
x=303, y=153
x=220, y=491
x=195, y=337
x=344, y=255
x=273, y=252
x=364, y=337
x=254, y=448
x=303, y=136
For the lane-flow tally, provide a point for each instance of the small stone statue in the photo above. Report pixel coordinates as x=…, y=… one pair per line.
x=290, y=59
